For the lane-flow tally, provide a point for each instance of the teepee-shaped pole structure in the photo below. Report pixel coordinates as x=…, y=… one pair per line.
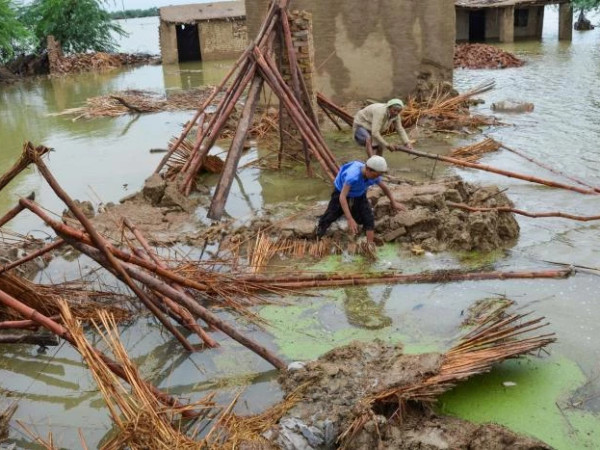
x=254, y=68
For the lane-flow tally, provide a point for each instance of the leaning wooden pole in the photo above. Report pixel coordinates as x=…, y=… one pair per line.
x=235, y=151
x=506, y=173
x=507, y=209
x=548, y=167
x=100, y=243
x=42, y=251
x=63, y=333
x=27, y=157
x=206, y=315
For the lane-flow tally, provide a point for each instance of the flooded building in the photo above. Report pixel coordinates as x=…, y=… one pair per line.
x=376, y=49
x=507, y=20
x=202, y=31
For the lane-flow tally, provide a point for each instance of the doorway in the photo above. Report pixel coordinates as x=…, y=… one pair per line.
x=188, y=42
x=477, y=25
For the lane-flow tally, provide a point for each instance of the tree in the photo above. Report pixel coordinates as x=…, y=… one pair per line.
x=12, y=32
x=584, y=6
x=79, y=25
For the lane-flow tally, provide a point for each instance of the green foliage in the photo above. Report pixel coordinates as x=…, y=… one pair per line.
x=79, y=25
x=134, y=13
x=586, y=5
x=13, y=33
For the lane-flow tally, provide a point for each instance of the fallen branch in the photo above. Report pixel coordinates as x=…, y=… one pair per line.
x=486, y=168
x=507, y=209
x=44, y=340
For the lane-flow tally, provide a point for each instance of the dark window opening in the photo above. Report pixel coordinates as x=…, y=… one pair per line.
x=521, y=17
x=477, y=25
x=188, y=42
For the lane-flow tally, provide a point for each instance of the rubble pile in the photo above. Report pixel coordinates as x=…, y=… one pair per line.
x=483, y=56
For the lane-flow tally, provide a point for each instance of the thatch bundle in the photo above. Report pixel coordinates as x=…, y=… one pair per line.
x=136, y=101
x=496, y=339
x=143, y=422
x=473, y=152
x=45, y=299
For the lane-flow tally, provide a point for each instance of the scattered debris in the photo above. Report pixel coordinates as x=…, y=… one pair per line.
x=474, y=152
x=484, y=56
x=511, y=106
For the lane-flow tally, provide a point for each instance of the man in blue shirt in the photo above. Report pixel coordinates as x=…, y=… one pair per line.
x=349, y=197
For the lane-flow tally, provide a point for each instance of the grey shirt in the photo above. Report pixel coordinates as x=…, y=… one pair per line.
x=376, y=119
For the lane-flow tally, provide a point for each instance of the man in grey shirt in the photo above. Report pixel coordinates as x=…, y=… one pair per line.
x=375, y=119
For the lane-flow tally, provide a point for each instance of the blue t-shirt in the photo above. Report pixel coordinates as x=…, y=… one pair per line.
x=351, y=173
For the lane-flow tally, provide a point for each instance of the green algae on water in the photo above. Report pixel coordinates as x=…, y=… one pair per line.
x=535, y=405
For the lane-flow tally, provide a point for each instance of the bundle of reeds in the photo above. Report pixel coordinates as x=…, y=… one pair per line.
x=474, y=152
x=136, y=101
x=447, y=111
x=142, y=421
x=500, y=337
x=45, y=299
x=212, y=163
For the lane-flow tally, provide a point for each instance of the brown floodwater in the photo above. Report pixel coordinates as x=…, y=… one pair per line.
x=103, y=160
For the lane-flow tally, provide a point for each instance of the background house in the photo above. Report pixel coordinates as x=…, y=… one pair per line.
x=507, y=20
x=202, y=31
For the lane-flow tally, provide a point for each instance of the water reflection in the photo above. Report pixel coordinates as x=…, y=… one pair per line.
x=362, y=311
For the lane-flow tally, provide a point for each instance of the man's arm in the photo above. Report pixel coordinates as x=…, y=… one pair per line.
x=344, y=204
x=376, y=125
x=402, y=132
x=394, y=204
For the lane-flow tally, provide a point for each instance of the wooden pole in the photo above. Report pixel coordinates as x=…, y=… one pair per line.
x=28, y=155
x=42, y=251
x=14, y=212
x=548, y=167
x=235, y=151
x=195, y=307
x=327, y=104
x=186, y=318
x=507, y=209
x=101, y=244
x=491, y=169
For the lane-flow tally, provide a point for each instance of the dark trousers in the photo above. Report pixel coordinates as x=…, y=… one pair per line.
x=360, y=208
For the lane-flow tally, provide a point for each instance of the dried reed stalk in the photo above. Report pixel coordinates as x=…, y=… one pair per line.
x=142, y=421
x=473, y=152
x=497, y=339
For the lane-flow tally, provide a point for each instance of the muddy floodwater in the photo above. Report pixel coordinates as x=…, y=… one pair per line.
x=553, y=396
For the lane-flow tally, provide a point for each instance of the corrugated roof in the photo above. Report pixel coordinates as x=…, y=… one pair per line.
x=501, y=3
x=202, y=11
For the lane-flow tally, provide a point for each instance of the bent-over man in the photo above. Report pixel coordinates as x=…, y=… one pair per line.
x=375, y=119
x=349, y=197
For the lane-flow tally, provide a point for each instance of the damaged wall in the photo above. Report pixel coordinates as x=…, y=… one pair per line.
x=376, y=49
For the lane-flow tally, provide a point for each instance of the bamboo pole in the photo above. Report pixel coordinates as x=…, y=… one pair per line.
x=28, y=156
x=22, y=324
x=42, y=251
x=507, y=209
x=235, y=151
x=186, y=318
x=206, y=315
x=101, y=244
x=327, y=104
x=506, y=173
x=14, y=212
x=548, y=167
x=439, y=277
x=311, y=122
x=298, y=116
x=63, y=333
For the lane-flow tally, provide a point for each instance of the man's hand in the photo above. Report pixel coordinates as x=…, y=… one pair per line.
x=398, y=206
x=392, y=147
x=409, y=146
x=353, y=226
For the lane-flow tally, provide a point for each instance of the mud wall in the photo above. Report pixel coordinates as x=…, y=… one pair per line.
x=222, y=39
x=168, y=43
x=375, y=49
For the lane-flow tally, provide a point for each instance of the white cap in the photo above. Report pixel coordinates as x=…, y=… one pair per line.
x=377, y=163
